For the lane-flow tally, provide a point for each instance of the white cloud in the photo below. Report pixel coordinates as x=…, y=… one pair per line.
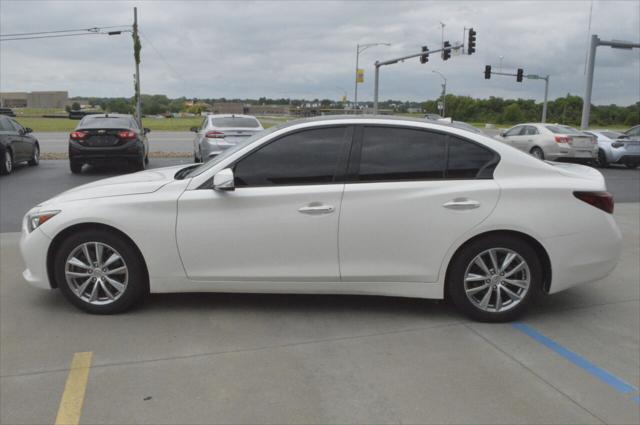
x=307, y=49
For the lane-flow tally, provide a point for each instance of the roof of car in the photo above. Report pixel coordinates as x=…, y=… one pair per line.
x=399, y=119
x=109, y=115
x=230, y=116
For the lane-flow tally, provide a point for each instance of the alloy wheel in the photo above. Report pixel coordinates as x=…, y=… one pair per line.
x=96, y=273
x=497, y=280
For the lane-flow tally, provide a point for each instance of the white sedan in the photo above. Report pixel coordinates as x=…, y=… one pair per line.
x=340, y=205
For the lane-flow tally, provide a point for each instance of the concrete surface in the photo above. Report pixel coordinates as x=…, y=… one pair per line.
x=27, y=186
x=223, y=358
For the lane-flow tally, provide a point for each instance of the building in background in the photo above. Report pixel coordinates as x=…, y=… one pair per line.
x=36, y=99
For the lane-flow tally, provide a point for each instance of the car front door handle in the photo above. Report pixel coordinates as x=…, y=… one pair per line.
x=316, y=208
x=461, y=204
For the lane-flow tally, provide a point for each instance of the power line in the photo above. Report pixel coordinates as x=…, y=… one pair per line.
x=94, y=29
x=175, y=73
x=51, y=36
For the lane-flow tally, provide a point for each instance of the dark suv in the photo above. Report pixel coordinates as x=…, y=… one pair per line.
x=108, y=138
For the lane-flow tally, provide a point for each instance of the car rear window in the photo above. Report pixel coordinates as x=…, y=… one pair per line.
x=240, y=122
x=562, y=129
x=611, y=134
x=105, y=122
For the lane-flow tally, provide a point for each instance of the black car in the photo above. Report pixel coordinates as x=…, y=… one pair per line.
x=108, y=138
x=16, y=145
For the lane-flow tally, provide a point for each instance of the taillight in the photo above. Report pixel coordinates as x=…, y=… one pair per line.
x=562, y=139
x=78, y=135
x=127, y=134
x=214, y=135
x=601, y=200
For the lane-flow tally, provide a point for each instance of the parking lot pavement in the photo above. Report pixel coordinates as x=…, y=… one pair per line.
x=159, y=141
x=225, y=358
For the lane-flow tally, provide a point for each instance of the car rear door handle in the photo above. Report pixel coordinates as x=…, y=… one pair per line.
x=316, y=208
x=461, y=204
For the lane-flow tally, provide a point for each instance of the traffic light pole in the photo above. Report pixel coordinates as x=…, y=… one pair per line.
x=531, y=77
x=595, y=42
x=379, y=64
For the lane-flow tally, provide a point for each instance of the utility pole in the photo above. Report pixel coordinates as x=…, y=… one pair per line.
x=595, y=42
x=444, y=91
x=136, y=55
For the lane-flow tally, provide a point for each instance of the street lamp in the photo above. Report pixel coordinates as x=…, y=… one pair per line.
x=359, y=49
x=444, y=90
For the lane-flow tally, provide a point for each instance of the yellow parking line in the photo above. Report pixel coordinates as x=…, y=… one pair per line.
x=73, y=396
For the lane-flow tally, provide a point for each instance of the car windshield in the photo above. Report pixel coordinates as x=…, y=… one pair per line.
x=105, y=122
x=227, y=153
x=232, y=122
x=562, y=129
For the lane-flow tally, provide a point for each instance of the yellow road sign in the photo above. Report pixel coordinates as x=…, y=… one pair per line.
x=360, y=75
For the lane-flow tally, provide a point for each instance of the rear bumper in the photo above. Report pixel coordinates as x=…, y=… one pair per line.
x=571, y=153
x=585, y=256
x=130, y=150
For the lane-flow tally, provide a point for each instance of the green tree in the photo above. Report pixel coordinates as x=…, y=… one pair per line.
x=512, y=114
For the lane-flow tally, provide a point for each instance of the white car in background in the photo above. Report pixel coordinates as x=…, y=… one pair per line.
x=221, y=131
x=340, y=205
x=551, y=142
x=615, y=148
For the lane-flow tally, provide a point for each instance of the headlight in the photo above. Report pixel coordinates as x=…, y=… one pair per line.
x=39, y=218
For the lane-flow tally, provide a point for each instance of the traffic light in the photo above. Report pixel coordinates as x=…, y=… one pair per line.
x=519, y=75
x=446, y=53
x=471, y=44
x=424, y=58
x=487, y=72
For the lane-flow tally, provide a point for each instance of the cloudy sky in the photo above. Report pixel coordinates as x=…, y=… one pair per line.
x=307, y=48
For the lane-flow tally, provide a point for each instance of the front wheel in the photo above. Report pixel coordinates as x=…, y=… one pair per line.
x=99, y=272
x=495, y=279
x=537, y=152
x=6, y=166
x=35, y=156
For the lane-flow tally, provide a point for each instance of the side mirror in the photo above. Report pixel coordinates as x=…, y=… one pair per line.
x=224, y=180
x=146, y=130
x=194, y=129
x=28, y=130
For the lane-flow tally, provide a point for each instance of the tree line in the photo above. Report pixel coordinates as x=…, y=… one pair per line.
x=496, y=110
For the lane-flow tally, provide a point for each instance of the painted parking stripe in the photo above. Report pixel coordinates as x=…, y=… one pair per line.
x=73, y=396
x=604, y=376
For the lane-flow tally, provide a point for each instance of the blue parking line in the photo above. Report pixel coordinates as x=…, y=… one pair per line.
x=604, y=376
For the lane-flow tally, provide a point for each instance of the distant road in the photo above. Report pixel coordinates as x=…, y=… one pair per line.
x=166, y=141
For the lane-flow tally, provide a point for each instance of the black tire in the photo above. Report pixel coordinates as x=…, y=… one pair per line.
x=146, y=159
x=631, y=165
x=6, y=163
x=537, y=152
x=195, y=158
x=140, y=164
x=463, y=260
x=601, y=160
x=136, y=287
x=75, y=166
x=35, y=156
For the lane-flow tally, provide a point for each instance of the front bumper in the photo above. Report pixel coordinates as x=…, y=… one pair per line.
x=34, y=247
x=129, y=151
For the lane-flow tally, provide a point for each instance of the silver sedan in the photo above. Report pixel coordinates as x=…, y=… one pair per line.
x=221, y=131
x=551, y=141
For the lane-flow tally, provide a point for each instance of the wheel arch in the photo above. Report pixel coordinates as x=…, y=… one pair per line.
x=65, y=233
x=537, y=246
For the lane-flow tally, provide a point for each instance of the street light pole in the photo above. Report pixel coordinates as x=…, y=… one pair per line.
x=546, y=95
x=359, y=49
x=595, y=42
x=444, y=91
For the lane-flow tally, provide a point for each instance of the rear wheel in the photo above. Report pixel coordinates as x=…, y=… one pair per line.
x=75, y=166
x=99, y=272
x=602, y=159
x=35, y=156
x=140, y=163
x=6, y=166
x=495, y=279
x=537, y=152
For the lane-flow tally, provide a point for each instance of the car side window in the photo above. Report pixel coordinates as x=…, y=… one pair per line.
x=634, y=132
x=17, y=127
x=531, y=130
x=205, y=121
x=302, y=158
x=392, y=154
x=515, y=131
x=468, y=160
